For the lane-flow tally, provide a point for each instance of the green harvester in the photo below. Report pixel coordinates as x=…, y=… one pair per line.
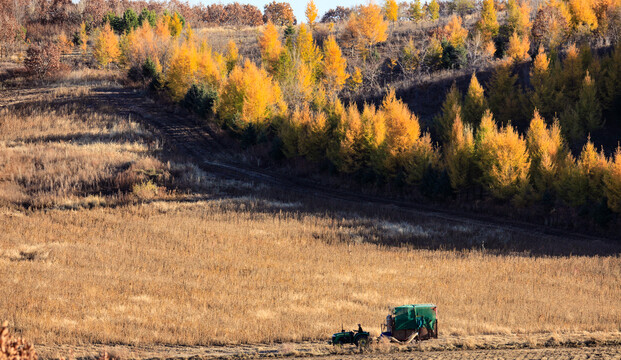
x=403, y=325
x=407, y=323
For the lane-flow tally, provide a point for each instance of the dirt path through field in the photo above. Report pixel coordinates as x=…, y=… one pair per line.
x=317, y=351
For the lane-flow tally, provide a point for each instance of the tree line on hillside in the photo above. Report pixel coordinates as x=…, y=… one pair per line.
x=521, y=142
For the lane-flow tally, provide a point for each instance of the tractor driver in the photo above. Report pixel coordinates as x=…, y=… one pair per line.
x=359, y=328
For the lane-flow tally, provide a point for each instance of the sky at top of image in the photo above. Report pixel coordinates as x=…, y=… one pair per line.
x=299, y=7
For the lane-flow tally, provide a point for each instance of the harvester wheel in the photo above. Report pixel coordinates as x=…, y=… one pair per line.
x=363, y=342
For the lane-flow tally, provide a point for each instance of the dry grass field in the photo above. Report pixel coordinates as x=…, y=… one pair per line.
x=104, y=240
x=244, y=269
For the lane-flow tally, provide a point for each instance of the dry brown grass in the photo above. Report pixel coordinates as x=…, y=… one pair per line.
x=59, y=145
x=243, y=270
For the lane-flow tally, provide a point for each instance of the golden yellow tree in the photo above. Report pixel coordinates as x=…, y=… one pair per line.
x=455, y=32
x=334, y=65
x=502, y=159
x=312, y=133
x=518, y=16
x=210, y=67
x=572, y=75
x=588, y=106
x=434, y=10
x=309, y=52
x=402, y=127
x=592, y=166
x=547, y=152
x=175, y=26
x=106, y=48
x=450, y=108
x=392, y=10
x=355, y=80
x=311, y=12
x=510, y=163
x=232, y=55
x=474, y=102
x=368, y=26
x=582, y=13
x=612, y=182
x=544, y=96
x=518, y=47
x=349, y=156
x=250, y=96
x=459, y=155
x=83, y=35
x=271, y=47
x=488, y=23
x=181, y=71
x=64, y=44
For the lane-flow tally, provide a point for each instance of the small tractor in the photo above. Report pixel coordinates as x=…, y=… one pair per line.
x=405, y=324
x=358, y=337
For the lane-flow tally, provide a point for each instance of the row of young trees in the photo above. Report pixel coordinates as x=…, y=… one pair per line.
x=292, y=99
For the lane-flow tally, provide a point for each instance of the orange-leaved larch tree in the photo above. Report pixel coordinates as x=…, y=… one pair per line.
x=65, y=46
x=309, y=52
x=572, y=74
x=175, y=26
x=391, y=9
x=106, y=48
x=415, y=11
x=505, y=161
x=231, y=56
x=548, y=154
x=582, y=13
x=459, y=155
x=518, y=47
x=544, y=95
x=334, y=66
x=592, y=166
x=451, y=106
x=211, y=67
x=474, y=103
x=312, y=132
x=504, y=99
x=404, y=148
x=271, y=47
x=83, y=36
x=250, y=96
x=434, y=10
x=488, y=23
x=349, y=154
x=612, y=182
x=518, y=16
x=368, y=26
x=181, y=71
x=456, y=34
x=311, y=12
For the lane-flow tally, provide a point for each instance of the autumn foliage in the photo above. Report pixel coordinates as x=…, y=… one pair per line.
x=367, y=26
x=106, y=49
x=517, y=135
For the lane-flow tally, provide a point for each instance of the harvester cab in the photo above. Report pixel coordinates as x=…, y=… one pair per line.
x=411, y=322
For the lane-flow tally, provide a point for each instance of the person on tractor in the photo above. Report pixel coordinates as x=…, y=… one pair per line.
x=359, y=328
